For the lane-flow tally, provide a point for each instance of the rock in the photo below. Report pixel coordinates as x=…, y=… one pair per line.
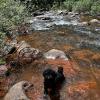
x=73, y=14
x=83, y=24
x=37, y=14
x=54, y=54
x=46, y=18
x=7, y=49
x=3, y=80
x=3, y=70
x=29, y=54
x=23, y=53
x=60, y=12
x=43, y=17
x=22, y=45
x=17, y=92
x=23, y=29
x=94, y=21
x=26, y=53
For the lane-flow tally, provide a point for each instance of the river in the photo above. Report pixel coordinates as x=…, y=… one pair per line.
x=81, y=42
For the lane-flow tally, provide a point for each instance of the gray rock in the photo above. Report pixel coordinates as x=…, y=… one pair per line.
x=54, y=54
x=7, y=49
x=17, y=92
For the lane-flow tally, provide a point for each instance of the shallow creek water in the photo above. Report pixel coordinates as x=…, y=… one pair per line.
x=82, y=72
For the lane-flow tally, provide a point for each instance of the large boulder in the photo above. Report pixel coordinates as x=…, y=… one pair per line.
x=27, y=54
x=55, y=54
x=23, y=52
x=17, y=92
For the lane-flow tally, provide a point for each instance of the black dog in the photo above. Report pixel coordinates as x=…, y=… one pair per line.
x=60, y=76
x=51, y=79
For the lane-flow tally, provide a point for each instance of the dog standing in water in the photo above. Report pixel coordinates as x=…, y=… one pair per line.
x=52, y=79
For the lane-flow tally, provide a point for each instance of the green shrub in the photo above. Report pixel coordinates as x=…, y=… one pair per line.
x=2, y=36
x=95, y=8
x=83, y=5
x=68, y=4
x=11, y=13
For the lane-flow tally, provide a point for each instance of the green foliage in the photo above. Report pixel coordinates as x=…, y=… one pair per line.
x=2, y=61
x=90, y=6
x=95, y=8
x=83, y=5
x=41, y=4
x=11, y=13
x=2, y=37
x=68, y=5
x=33, y=5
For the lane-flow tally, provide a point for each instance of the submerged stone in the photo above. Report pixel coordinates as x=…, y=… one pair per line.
x=55, y=54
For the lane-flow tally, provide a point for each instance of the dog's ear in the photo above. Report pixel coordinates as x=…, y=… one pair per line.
x=60, y=69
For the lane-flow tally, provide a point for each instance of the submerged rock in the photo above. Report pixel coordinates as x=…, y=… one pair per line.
x=55, y=54
x=17, y=92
